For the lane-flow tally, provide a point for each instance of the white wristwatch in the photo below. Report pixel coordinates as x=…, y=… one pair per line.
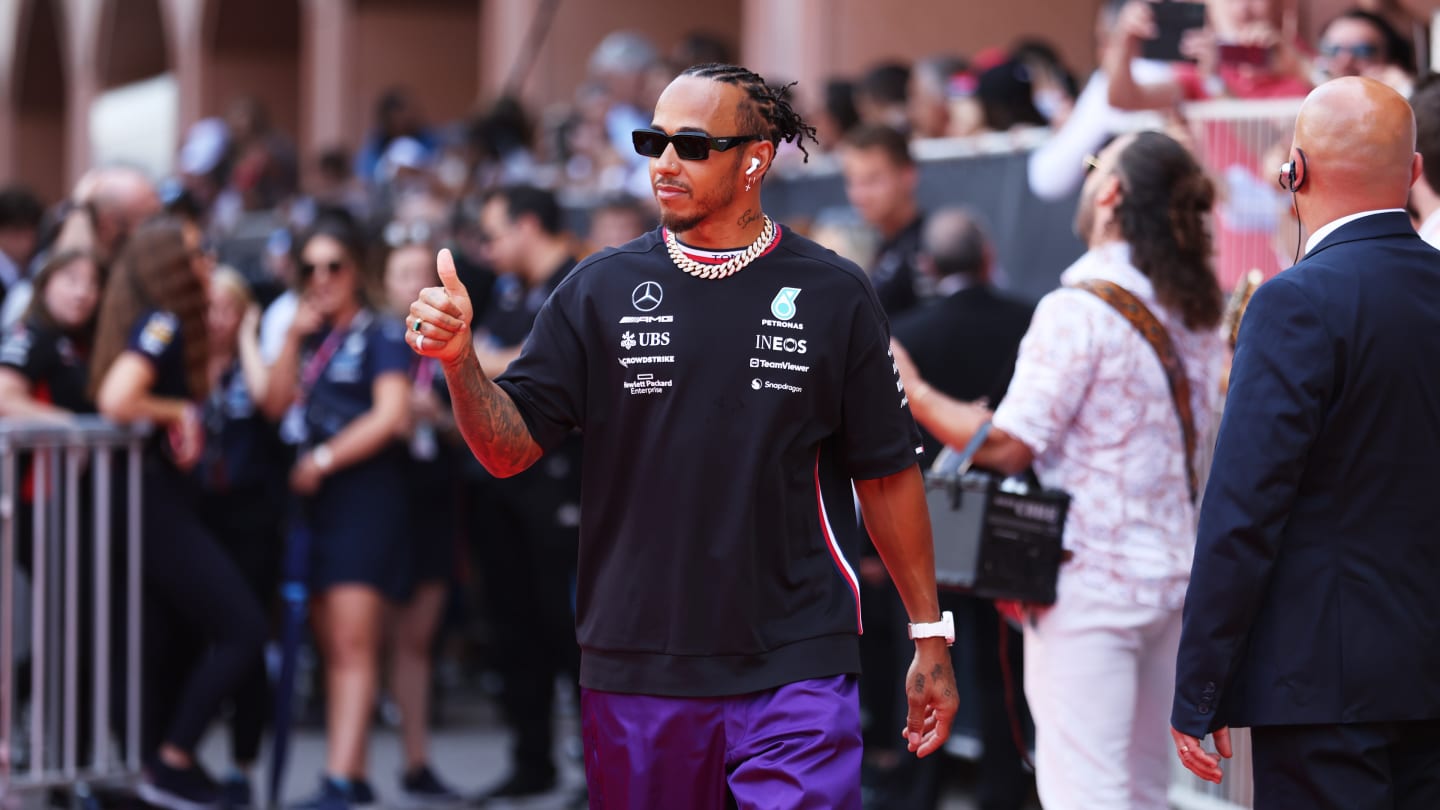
x=945, y=627
x=323, y=457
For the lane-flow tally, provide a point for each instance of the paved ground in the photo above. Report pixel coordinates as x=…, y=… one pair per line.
x=469, y=751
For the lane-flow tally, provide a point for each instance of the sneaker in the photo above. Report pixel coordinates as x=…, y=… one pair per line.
x=235, y=793
x=422, y=788
x=335, y=794
x=179, y=788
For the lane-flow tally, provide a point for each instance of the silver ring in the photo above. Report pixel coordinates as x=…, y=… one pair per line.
x=1184, y=749
x=419, y=342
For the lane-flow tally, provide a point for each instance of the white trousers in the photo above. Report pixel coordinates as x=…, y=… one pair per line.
x=1100, y=677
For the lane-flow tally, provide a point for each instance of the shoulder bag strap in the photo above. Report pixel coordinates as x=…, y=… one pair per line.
x=1154, y=333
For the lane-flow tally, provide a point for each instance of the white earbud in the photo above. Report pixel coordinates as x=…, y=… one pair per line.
x=754, y=164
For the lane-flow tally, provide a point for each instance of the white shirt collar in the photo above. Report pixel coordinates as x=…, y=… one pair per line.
x=1430, y=228
x=951, y=284
x=1329, y=227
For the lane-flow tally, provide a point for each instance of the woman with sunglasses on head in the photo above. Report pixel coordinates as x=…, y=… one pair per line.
x=348, y=369
x=44, y=360
x=150, y=366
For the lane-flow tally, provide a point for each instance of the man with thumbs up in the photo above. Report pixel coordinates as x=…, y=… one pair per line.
x=734, y=388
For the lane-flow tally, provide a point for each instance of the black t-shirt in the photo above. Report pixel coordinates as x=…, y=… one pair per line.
x=507, y=320
x=56, y=364
x=723, y=422
x=511, y=309
x=896, y=271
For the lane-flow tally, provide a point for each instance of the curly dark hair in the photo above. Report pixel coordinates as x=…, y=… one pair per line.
x=1163, y=214
x=766, y=110
x=154, y=271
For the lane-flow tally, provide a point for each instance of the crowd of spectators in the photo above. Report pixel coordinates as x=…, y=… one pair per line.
x=317, y=253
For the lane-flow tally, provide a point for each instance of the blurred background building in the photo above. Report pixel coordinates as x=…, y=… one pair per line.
x=82, y=81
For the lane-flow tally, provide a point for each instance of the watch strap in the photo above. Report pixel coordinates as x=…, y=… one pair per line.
x=945, y=628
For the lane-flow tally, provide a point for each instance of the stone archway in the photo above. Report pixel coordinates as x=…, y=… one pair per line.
x=132, y=45
x=133, y=116
x=252, y=50
x=40, y=95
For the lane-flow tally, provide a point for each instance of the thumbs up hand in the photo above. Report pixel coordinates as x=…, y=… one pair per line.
x=439, y=322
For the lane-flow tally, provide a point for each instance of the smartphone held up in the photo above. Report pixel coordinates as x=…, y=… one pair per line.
x=1173, y=20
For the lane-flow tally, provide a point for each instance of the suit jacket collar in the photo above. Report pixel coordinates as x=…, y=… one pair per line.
x=1375, y=226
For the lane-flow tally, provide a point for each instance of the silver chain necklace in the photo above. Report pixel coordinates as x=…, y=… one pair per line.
x=728, y=268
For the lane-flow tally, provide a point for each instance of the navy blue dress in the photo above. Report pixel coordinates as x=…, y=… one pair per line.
x=359, y=516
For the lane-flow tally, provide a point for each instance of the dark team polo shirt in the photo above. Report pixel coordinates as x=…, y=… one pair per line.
x=511, y=309
x=242, y=450
x=723, y=422
x=896, y=272
x=507, y=321
x=344, y=388
x=156, y=337
x=56, y=364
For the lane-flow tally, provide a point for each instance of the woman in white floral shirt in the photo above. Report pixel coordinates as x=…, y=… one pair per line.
x=1090, y=409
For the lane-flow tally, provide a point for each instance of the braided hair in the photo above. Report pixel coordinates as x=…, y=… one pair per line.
x=766, y=110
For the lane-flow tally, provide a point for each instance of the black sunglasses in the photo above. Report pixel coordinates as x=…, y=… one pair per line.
x=688, y=145
x=331, y=268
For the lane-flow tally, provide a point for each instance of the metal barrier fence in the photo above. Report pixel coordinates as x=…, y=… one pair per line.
x=58, y=484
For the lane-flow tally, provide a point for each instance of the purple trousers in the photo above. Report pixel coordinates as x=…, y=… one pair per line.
x=791, y=748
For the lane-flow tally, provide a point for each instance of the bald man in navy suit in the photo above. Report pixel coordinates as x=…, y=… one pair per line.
x=1313, y=614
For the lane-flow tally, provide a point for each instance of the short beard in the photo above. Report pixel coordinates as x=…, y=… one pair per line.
x=675, y=223
x=721, y=197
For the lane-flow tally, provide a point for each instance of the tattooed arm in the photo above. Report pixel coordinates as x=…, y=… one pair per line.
x=488, y=419
x=899, y=525
x=439, y=327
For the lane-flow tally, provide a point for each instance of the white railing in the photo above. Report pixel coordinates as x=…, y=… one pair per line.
x=60, y=477
x=1243, y=144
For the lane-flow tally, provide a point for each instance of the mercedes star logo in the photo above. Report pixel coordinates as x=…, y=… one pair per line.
x=647, y=296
